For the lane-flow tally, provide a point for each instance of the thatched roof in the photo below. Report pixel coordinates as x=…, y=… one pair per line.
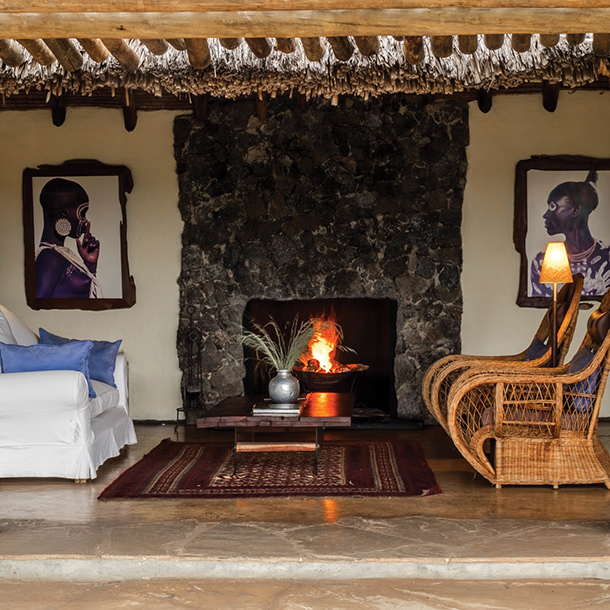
x=232, y=48
x=238, y=72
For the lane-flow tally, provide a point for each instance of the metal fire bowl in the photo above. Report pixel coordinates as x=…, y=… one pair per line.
x=328, y=382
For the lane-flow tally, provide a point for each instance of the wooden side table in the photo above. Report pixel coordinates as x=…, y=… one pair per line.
x=321, y=410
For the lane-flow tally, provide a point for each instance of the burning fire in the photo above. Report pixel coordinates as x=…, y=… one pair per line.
x=319, y=358
x=320, y=354
x=323, y=345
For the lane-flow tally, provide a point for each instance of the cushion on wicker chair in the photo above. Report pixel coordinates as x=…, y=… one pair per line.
x=580, y=395
x=536, y=350
x=598, y=326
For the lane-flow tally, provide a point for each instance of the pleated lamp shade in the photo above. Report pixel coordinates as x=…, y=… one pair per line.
x=555, y=266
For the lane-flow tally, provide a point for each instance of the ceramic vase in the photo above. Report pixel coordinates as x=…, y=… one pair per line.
x=284, y=388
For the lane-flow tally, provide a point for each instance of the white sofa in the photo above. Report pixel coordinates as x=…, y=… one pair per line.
x=49, y=427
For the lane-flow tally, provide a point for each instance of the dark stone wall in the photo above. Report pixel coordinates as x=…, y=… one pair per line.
x=358, y=200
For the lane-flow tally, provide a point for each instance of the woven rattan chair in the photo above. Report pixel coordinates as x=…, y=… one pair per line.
x=440, y=376
x=525, y=426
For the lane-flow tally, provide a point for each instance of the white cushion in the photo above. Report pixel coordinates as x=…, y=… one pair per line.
x=22, y=334
x=107, y=397
x=6, y=335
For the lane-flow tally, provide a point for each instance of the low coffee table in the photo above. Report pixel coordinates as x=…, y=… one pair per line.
x=321, y=410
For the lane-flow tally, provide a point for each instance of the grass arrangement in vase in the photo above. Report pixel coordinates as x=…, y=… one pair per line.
x=280, y=353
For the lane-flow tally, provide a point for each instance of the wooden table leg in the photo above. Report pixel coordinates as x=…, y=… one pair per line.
x=317, y=449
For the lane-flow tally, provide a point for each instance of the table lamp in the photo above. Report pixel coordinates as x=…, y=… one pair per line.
x=555, y=270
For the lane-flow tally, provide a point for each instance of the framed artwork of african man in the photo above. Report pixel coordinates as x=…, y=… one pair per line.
x=563, y=198
x=75, y=233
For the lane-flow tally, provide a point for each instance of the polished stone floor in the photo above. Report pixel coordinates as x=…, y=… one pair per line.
x=321, y=595
x=368, y=550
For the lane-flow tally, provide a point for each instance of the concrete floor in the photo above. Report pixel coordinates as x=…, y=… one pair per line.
x=281, y=553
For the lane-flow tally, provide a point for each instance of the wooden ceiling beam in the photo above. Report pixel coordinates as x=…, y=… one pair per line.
x=198, y=52
x=549, y=40
x=468, y=44
x=493, y=41
x=11, y=53
x=367, y=45
x=286, y=45
x=200, y=106
x=342, y=46
x=288, y=24
x=38, y=50
x=66, y=53
x=601, y=45
x=575, y=39
x=261, y=47
x=123, y=53
x=171, y=6
x=313, y=48
x=414, y=50
x=58, y=110
x=157, y=46
x=485, y=100
x=442, y=46
x=230, y=43
x=130, y=110
x=550, y=95
x=177, y=43
x=95, y=48
x=521, y=42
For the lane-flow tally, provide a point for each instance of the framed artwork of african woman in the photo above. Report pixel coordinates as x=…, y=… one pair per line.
x=563, y=198
x=75, y=233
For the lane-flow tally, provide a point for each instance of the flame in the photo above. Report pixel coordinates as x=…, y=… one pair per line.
x=321, y=350
x=323, y=344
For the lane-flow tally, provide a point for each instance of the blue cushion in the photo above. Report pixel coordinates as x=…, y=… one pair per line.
x=581, y=360
x=103, y=355
x=28, y=358
x=536, y=350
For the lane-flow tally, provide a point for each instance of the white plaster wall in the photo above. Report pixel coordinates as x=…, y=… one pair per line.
x=516, y=128
x=148, y=329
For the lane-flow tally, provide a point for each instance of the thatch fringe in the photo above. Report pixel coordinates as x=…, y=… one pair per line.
x=239, y=73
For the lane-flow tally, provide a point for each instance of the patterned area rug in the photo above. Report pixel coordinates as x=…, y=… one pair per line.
x=195, y=470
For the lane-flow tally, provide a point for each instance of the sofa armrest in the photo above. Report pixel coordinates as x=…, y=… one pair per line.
x=44, y=408
x=44, y=387
x=121, y=378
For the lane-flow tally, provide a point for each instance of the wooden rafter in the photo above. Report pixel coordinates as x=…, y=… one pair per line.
x=66, y=53
x=38, y=50
x=95, y=49
x=313, y=48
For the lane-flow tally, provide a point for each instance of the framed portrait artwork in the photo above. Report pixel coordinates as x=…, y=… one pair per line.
x=75, y=233
x=562, y=198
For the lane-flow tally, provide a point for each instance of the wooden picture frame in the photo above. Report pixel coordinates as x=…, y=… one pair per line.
x=535, y=180
x=83, y=260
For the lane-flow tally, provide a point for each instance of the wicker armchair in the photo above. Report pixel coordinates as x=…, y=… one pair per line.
x=439, y=378
x=525, y=426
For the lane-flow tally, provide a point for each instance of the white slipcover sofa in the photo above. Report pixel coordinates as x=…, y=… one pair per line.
x=49, y=427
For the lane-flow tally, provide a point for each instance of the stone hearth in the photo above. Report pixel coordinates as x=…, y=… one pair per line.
x=358, y=200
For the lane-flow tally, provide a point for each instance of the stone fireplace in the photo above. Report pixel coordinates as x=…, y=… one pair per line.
x=361, y=200
x=369, y=329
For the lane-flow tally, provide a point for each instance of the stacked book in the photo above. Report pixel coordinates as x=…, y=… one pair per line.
x=273, y=408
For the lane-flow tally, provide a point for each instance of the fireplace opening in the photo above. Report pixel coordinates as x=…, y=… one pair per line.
x=367, y=368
